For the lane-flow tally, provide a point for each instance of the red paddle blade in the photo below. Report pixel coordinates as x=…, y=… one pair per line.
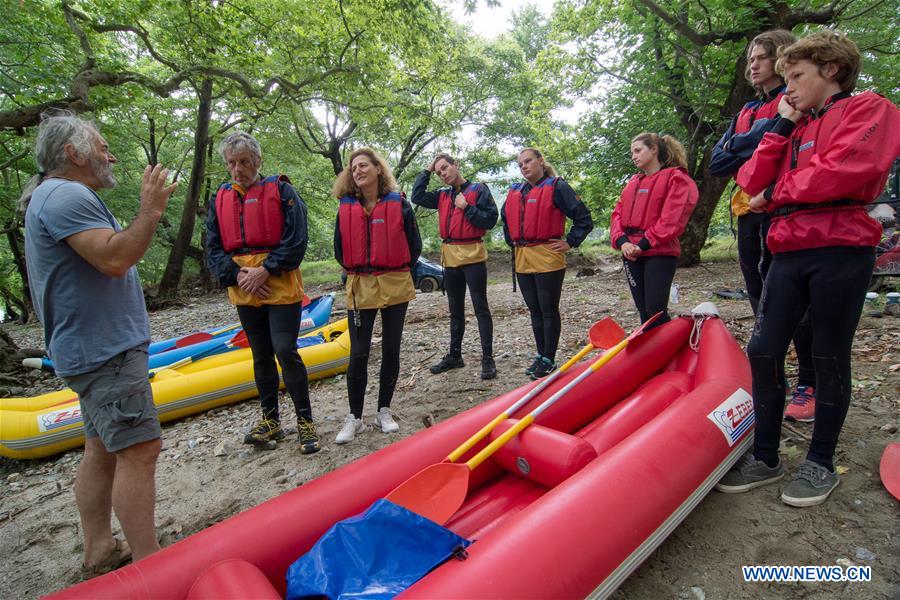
x=305, y=301
x=644, y=326
x=194, y=338
x=435, y=492
x=240, y=339
x=890, y=469
x=606, y=333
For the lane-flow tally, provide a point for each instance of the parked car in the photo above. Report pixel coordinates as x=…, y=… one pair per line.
x=427, y=276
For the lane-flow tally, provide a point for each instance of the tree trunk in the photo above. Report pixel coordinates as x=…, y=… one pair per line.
x=16, y=240
x=694, y=236
x=171, y=278
x=710, y=187
x=206, y=279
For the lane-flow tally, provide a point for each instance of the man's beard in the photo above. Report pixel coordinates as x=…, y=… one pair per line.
x=103, y=172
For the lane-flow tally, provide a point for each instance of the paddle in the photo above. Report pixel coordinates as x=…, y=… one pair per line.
x=204, y=336
x=239, y=340
x=437, y=492
x=603, y=334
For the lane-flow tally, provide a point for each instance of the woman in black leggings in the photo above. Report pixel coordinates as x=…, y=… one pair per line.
x=375, y=241
x=651, y=213
x=466, y=211
x=534, y=219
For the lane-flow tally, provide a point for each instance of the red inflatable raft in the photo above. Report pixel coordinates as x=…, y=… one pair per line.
x=568, y=509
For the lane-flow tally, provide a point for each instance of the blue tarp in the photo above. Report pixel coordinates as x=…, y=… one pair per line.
x=375, y=555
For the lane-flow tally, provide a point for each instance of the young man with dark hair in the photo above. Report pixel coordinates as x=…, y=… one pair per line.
x=747, y=129
x=814, y=173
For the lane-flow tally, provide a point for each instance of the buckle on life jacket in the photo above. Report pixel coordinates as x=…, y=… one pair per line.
x=462, y=240
x=521, y=243
x=376, y=270
x=788, y=209
x=246, y=251
x=633, y=231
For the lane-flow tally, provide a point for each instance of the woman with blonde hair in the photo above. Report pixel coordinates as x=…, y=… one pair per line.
x=651, y=213
x=534, y=219
x=376, y=241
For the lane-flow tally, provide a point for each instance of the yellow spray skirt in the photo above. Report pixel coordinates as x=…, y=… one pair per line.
x=51, y=423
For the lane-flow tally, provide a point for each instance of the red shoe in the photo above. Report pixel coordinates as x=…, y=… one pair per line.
x=803, y=405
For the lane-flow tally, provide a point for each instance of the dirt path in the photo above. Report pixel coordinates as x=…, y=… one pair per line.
x=205, y=474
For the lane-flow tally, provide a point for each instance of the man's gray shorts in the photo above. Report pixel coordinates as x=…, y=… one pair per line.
x=117, y=401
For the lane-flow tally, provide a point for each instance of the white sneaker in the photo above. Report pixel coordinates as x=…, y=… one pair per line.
x=384, y=420
x=348, y=431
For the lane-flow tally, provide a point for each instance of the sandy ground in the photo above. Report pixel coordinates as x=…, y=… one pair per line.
x=206, y=475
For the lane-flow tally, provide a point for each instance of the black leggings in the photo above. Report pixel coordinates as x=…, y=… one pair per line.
x=392, y=318
x=542, y=292
x=755, y=259
x=831, y=283
x=272, y=331
x=456, y=279
x=650, y=279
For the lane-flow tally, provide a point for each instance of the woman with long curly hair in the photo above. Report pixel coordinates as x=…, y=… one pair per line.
x=376, y=241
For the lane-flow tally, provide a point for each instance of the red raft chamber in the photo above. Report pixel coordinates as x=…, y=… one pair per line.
x=567, y=509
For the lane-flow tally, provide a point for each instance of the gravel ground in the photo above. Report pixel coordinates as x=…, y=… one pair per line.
x=206, y=474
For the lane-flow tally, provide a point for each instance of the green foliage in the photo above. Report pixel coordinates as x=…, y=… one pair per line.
x=319, y=272
x=315, y=79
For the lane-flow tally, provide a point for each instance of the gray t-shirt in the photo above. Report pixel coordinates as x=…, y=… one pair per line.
x=88, y=317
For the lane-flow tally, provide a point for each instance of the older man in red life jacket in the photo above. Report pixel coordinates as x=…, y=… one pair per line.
x=256, y=239
x=814, y=173
x=466, y=211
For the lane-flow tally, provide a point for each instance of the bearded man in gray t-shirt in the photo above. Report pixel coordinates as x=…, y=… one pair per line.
x=86, y=292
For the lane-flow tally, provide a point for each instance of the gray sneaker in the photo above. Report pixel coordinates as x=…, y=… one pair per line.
x=812, y=486
x=749, y=473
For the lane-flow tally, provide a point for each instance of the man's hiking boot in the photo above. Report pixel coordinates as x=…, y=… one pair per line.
x=309, y=439
x=450, y=361
x=544, y=368
x=488, y=367
x=267, y=430
x=812, y=486
x=748, y=473
x=803, y=405
x=534, y=365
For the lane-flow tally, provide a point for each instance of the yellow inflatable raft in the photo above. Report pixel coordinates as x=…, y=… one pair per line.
x=51, y=423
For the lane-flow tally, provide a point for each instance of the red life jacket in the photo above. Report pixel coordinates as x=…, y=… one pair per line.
x=756, y=110
x=253, y=222
x=838, y=222
x=643, y=203
x=534, y=219
x=374, y=243
x=454, y=227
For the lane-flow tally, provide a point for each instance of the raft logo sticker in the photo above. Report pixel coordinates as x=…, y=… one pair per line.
x=59, y=418
x=734, y=416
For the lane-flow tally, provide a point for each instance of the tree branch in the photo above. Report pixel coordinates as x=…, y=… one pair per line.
x=14, y=159
x=682, y=27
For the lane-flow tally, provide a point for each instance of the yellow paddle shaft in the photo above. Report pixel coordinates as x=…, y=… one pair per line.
x=484, y=431
x=496, y=444
x=608, y=356
x=529, y=419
